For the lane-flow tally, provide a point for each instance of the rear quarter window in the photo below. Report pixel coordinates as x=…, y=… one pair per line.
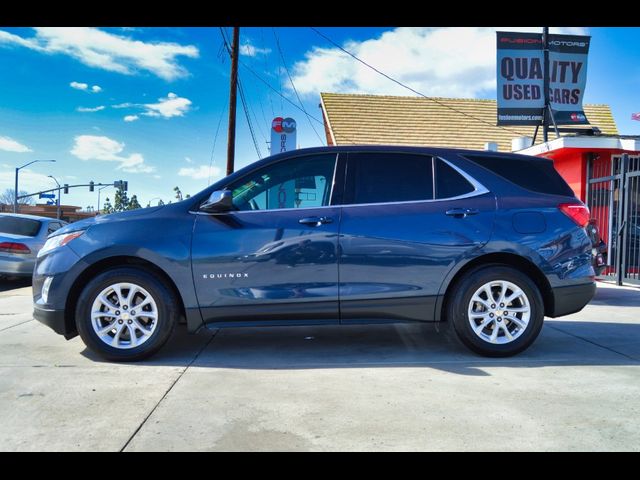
x=535, y=175
x=19, y=226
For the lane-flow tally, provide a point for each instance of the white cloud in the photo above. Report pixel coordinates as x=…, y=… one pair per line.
x=249, y=50
x=79, y=86
x=90, y=109
x=124, y=105
x=10, y=145
x=188, y=159
x=200, y=172
x=28, y=180
x=171, y=106
x=83, y=86
x=167, y=107
x=449, y=61
x=107, y=51
x=93, y=147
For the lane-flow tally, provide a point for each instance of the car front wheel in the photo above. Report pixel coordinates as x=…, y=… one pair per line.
x=497, y=311
x=126, y=314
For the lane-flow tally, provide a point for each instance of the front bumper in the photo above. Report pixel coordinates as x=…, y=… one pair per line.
x=54, y=319
x=571, y=299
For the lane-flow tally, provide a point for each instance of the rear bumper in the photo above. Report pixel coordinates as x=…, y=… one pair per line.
x=53, y=319
x=571, y=299
x=19, y=267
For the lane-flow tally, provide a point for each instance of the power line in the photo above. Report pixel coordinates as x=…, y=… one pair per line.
x=246, y=113
x=255, y=74
x=409, y=88
x=215, y=140
x=284, y=63
x=266, y=69
x=255, y=116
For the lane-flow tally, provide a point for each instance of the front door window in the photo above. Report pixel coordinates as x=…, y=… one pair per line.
x=300, y=182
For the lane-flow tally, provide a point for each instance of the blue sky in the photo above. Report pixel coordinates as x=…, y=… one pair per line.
x=143, y=104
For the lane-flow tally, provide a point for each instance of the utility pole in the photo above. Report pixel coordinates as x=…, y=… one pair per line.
x=231, y=138
x=546, y=113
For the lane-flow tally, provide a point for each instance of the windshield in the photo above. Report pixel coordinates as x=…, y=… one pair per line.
x=19, y=226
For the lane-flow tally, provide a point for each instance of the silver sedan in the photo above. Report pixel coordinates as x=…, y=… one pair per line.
x=21, y=237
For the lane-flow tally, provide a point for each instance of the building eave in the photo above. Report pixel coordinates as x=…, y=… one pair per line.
x=584, y=143
x=325, y=117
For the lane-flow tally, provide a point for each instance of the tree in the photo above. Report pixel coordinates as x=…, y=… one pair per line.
x=133, y=203
x=121, y=201
x=7, y=197
x=178, y=193
x=107, y=207
x=160, y=203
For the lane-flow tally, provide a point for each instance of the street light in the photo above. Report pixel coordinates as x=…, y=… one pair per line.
x=100, y=190
x=15, y=197
x=58, y=201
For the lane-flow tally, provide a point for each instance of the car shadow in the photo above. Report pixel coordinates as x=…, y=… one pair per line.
x=11, y=283
x=611, y=296
x=561, y=343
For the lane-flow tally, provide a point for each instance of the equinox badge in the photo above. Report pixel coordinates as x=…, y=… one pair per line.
x=225, y=275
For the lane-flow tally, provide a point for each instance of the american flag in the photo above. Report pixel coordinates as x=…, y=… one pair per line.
x=635, y=116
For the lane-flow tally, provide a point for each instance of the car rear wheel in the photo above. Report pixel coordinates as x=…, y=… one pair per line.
x=496, y=311
x=126, y=314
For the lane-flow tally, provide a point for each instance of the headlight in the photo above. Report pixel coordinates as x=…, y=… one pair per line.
x=58, y=241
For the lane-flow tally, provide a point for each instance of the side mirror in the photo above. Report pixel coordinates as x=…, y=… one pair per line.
x=218, y=201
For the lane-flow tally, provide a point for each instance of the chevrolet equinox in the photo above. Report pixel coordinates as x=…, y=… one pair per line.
x=490, y=242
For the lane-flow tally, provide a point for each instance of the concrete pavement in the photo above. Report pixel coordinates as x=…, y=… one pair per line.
x=387, y=387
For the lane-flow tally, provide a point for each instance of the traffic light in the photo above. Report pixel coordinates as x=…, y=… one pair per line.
x=91, y=186
x=126, y=185
x=66, y=188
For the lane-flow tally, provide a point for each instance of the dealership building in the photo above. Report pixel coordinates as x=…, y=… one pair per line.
x=603, y=168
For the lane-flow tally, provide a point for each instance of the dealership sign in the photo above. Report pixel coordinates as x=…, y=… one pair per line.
x=520, y=73
x=283, y=135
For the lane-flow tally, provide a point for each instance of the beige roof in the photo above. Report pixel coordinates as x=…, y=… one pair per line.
x=439, y=122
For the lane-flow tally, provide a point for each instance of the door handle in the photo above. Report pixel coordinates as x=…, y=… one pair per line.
x=315, y=221
x=462, y=212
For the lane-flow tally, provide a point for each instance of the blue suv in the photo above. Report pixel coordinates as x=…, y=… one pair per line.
x=489, y=242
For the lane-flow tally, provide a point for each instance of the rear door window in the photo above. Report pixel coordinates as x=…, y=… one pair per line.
x=388, y=177
x=536, y=175
x=53, y=226
x=19, y=226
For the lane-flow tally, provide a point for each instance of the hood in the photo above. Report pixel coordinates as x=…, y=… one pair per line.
x=112, y=217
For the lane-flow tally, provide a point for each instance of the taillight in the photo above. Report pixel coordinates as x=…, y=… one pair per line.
x=578, y=212
x=14, y=247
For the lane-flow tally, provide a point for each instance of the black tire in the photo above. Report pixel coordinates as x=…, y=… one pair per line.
x=167, y=313
x=460, y=299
